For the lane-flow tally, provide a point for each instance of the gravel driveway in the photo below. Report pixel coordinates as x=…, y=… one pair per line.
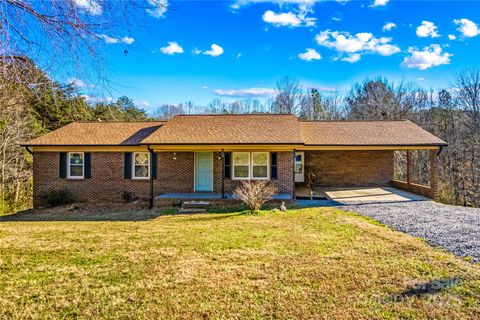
x=456, y=229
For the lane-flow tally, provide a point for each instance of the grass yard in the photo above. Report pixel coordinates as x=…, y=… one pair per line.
x=309, y=263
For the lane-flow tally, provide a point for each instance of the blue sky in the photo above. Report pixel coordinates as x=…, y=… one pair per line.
x=200, y=50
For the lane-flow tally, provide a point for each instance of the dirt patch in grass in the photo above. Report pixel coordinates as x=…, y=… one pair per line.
x=311, y=263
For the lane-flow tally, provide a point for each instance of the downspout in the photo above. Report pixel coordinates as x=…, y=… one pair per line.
x=440, y=149
x=28, y=150
x=150, y=202
x=223, y=174
x=293, y=173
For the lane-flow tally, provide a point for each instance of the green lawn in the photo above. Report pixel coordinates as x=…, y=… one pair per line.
x=308, y=263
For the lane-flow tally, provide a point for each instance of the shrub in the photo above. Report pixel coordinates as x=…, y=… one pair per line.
x=127, y=196
x=254, y=193
x=55, y=198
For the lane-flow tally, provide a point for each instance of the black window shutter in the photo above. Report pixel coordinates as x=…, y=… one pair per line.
x=88, y=165
x=273, y=165
x=154, y=165
x=63, y=165
x=127, y=166
x=228, y=165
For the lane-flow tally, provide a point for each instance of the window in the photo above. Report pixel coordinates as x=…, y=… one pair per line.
x=260, y=165
x=75, y=165
x=241, y=165
x=248, y=165
x=141, y=165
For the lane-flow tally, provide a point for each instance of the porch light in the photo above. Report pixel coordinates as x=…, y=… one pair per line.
x=174, y=156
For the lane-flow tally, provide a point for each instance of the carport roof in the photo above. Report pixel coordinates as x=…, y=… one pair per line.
x=367, y=133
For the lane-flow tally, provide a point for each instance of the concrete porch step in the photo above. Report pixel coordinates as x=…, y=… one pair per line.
x=195, y=205
x=192, y=210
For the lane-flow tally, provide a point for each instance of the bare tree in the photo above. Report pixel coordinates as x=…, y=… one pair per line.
x=467, y=87
x=288, y=96
x=63, y=33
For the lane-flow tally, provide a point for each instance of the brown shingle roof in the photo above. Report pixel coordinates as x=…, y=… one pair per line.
x=354, y=133
x=240, y=129
x=98, y=133
x=229, y=129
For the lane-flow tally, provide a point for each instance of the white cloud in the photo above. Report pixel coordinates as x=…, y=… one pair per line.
x=288, y=19
x=360, y=43
x=309, y=55
x=427, y=29
x=108, y=39
x=467, y=27
x=172, y=48
x=128, y=40
x=244, y=93
x=115, y=40
x=452, y=37
x=76, y=82
x=389, y=26
x=379, y=3
x=430, y=56
x=157, y=8
x=90, y=6
x=142, y=103
x=215, y=50
x=352, y=58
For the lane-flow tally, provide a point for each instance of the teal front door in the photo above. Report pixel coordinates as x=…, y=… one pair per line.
x=203, y=171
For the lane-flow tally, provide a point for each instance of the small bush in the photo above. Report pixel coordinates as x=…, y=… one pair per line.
x=254, y=193
x=127, y=196
x=55, y=198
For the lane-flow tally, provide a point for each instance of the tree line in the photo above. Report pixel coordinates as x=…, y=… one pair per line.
x=33, y=104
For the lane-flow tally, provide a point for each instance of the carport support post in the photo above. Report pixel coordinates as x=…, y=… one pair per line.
x=433, y=173
x=409, y=167
x=223, y=174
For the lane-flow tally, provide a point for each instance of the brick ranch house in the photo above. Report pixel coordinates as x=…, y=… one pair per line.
x=209, y=155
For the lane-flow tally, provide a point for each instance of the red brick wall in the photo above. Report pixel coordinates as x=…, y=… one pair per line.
x=107, y=181
x=350, y=168
x=106, y=184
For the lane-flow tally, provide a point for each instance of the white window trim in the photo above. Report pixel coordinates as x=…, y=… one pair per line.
x=233, y=166
x=69, y=165
x=133, y=166
x=252, y=165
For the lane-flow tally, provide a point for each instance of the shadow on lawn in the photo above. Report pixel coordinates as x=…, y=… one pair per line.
x=425, y=289
x=35, y=216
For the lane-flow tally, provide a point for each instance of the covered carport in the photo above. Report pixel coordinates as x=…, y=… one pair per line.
x=358, y=159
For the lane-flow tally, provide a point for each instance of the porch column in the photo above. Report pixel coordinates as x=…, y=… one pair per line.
x=223, y=174
x=433, y=173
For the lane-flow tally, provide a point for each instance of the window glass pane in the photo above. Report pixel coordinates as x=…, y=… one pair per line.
x=141, y=158
x=298, y=168
x=76, y=171
x=240, y=171
x=76, y=158
x=141, y=171
x=260, y=172
x=240, y=158
x=260, y=158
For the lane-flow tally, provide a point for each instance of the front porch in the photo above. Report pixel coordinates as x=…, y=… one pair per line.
x=212, y=196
